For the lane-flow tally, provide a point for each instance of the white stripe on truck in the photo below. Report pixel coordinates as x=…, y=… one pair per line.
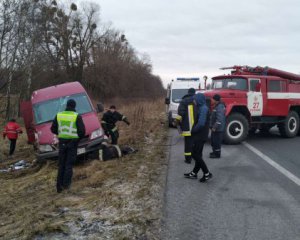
x=283, y=95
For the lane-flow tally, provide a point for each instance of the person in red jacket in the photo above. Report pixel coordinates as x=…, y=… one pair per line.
x=12, y=131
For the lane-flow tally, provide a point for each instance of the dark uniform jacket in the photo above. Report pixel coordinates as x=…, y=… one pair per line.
x=79, y=124
x=110, y=119
x=186, y=114
x=217, y=120
x=201, y=128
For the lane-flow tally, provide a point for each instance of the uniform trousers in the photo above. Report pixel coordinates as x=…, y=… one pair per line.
x=67, y=157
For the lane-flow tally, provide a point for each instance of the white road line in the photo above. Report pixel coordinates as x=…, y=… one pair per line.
x=285, y=172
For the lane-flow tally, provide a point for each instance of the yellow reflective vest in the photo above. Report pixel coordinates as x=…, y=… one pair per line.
x=67, y=128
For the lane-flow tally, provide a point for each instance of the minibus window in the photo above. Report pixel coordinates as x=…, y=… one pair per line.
x=46, y=111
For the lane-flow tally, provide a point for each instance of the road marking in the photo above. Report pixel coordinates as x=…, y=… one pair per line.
x=285, y=172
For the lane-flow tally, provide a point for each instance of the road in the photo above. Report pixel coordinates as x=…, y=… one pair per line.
x=248, y=199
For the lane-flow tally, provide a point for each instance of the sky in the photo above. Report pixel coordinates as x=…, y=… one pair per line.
x=193, y=38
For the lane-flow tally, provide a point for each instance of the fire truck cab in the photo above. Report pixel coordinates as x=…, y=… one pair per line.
x=258, y=98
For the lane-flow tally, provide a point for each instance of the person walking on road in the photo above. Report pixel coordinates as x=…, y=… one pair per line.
x=109, y=120
x=199, y=135
x=12, y=131
x=217, y=126
x=185, y=119
x=69, y=127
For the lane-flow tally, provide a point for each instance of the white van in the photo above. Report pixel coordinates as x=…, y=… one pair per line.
x=175, y=91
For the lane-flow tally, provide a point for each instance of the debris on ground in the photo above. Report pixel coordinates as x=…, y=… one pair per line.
x=22, y=164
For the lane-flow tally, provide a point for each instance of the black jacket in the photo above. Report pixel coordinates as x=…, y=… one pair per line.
x=187, y=117
x=79, y=124
x=110, y=119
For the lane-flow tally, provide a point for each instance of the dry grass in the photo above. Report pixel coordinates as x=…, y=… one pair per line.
x=118, y=199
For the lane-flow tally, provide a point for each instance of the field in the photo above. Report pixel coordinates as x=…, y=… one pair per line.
x=117, y=199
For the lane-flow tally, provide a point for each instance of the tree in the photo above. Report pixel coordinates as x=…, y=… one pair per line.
x=43, y=43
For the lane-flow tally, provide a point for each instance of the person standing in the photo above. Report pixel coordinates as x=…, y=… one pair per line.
x=217, y=126
x=185, y=119
x=199, y=135
x=69, y=127
x=109, y=120
x=12, y=131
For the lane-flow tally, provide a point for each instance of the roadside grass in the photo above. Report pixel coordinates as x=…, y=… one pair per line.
x=117, y=199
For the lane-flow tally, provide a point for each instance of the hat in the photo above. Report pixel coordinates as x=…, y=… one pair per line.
x=71, y=103
x=191, y=91
x=217, y=97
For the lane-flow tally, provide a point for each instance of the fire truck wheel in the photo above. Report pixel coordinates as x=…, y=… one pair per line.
x=237, y=128
x=289, y=128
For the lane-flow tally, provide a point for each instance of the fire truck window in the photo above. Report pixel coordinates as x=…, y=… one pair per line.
x=236, y=83
x=217, y=84
x=276, y=86
x=253, y=85
x=228, y=83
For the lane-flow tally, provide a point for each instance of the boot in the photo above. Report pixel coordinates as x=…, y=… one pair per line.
x=206, y=177
x=188, y=160
x=190, y=175
x=215, y=155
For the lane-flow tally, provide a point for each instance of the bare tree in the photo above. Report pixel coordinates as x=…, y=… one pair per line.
x=13, y=21
x=44, y=43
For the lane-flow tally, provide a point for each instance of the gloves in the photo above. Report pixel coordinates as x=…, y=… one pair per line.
x=176, y=122
x=126, y=121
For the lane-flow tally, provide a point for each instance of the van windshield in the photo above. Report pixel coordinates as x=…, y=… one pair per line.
x=46, y=111
x=177, y=94
x=230, y=83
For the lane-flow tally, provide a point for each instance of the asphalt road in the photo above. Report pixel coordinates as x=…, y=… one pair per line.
x=248, y=199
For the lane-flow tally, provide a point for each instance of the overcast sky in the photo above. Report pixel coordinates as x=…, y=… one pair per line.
x=197, y=37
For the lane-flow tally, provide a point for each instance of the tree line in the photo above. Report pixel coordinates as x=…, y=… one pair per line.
x=43, y=43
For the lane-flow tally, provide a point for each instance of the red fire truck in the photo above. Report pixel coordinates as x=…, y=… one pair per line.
x=258, y=98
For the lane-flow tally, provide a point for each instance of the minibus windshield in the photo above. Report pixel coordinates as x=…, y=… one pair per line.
x=45, y=111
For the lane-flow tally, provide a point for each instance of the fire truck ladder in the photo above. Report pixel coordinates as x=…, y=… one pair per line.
x=265, y=71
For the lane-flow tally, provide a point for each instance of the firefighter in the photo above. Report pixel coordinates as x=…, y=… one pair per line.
x=199, y=137
x=217, y=126
x=12, y=131
x=69, y=127
x=184, y=118
x=109, y=120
